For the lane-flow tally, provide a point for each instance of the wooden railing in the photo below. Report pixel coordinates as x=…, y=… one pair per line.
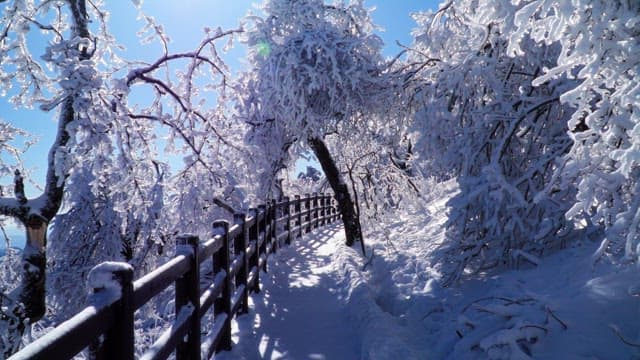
x=238, y=252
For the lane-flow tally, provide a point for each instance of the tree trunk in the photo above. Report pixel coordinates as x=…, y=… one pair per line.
x=35, y=215
x=34, y=269
x=345, y=203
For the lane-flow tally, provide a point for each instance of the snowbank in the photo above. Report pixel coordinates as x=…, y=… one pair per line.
x=382, y=336
x=102, y=277
x=565, y=307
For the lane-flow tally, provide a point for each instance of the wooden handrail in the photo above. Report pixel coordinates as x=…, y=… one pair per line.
x=238, y=252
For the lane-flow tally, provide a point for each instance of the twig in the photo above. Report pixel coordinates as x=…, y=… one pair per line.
x=550, y=312
x=619, y=334
x=546, y=331
x=507, y=300
x=437, y=310
x=6, y=236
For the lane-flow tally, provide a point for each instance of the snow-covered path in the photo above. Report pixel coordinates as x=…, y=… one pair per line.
x=299, y=313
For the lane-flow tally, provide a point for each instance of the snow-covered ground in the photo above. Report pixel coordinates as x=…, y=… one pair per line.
x=322, y=300
x=566, y=307
x=299, y=314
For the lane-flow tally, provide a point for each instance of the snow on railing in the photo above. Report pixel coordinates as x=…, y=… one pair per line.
x=238, y=253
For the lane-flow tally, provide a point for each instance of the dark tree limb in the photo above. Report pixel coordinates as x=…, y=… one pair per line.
x=340, y=189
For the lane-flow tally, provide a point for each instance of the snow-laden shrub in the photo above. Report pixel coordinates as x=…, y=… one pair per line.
x=600, y=47
x=483, y=122
x=504, y=328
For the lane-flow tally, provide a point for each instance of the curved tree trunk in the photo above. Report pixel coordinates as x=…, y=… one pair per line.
x=340, y=189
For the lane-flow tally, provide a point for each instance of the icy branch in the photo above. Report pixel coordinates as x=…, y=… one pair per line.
x=19, y=187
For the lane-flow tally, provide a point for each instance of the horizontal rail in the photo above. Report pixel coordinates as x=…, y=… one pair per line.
x=167, y=342
x=83, y=328
x=156, y=281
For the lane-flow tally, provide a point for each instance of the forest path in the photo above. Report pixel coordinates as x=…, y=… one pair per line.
x=298, y=314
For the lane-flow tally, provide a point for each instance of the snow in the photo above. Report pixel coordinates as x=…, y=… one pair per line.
x=562, y=308
x=319, y=301
x=300, y=313
x=103, y=282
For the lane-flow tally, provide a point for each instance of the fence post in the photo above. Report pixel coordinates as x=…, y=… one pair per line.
x=222, y=304
x=335, y=215
x=274, y=225
x=317, y=206
x=322, y=212
x=298, y=210
x=254, y=260
x=118, y=341
x=307, y=207
x=328, y=207
x=188, y=294
x=287, y=225
x=312, y=211
x=265, y=236
x=240, y=247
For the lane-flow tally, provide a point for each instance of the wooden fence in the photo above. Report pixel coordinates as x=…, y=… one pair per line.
x=238, y=252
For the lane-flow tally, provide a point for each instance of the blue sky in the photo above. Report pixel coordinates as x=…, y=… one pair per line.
x=183, y=22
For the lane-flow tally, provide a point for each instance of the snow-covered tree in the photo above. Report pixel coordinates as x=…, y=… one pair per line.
x=316, y=67
x=107, y=172
x=483, y=122
x=599, y=43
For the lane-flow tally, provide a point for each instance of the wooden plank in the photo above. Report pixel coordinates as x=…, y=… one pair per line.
x=187, y=294
x=167, y=342
x=234, y=231
x=282, y=219
x=240, y=247
x=236, y=265
x=236, y=299
x=118, y=340
x=254, y=236
x=251, y=220
x=274, y=227
x=298, y=214
x=210, y=247
x=212, y=292
x=282, y=236
x=263, y=261
x=251, y=249
x=295, y=230
x=284, y=202
x=156, y=281
x=287, y=225
x=211, y=341
x=222, y=305
x=70, y=337
x=261, y=238
x=252, y=277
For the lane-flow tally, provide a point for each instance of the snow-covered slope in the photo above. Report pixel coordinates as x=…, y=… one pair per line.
x=566, y=307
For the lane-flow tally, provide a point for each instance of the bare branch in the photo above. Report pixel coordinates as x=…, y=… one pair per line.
x=43, y=27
